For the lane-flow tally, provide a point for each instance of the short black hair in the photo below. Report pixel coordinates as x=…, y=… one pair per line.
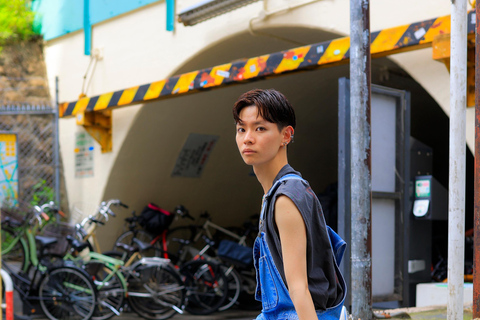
x=272, y=105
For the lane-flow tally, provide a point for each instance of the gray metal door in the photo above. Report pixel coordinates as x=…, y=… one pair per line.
x=390, y=132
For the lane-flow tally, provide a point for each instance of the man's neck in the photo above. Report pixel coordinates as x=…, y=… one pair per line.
x=267, y=173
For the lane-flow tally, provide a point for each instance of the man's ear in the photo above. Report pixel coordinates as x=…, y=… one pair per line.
x=288, y=134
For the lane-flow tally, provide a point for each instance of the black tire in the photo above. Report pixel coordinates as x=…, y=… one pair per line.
x=127, y=238
x=207, y=286
x=67, y=293
x=234, y=281
x=111, y=293
x=13, y=256
x=165, y=289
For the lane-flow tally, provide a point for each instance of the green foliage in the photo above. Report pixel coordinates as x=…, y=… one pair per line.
x=42, y=194
x=16, y=21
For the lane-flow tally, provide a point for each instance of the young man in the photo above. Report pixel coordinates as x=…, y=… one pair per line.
x=297, y=276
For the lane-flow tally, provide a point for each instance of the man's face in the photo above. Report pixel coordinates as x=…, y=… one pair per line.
x=258, y=140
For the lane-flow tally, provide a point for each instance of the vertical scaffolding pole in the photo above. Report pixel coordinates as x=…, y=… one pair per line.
x=476, y=224
x=456, y=187
x=56, y=148
x=361, y=184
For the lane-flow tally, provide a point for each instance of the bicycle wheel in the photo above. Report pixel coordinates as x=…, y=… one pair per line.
x=14, y=251
x=67, y=293
x=155, y=292
x=206, y=286
x=234, y=287
x=127, y=238
x=110, y=289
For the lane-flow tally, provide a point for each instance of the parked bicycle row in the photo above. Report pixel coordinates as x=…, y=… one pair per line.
x=153, y=271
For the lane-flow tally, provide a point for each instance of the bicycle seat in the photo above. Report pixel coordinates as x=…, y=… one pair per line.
x=126, y=247
x=77, y=245
x=142, y=245
x=46, y=241
x=131, y=219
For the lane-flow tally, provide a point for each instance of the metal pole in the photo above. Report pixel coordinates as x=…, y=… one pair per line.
x=456, y=187
x=56, y=148
x=476, y=233
x=361, y=185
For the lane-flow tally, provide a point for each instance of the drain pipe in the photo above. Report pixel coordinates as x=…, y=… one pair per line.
x=456, y=187
x=476, y=223
x=361, y=178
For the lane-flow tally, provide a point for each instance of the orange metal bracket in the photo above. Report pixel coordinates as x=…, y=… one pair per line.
x=99, y=125
x=441, y=52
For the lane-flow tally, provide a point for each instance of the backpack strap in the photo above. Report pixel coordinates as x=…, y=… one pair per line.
x=336, y=242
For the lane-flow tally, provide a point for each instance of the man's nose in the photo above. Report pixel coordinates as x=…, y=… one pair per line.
x=248, y=138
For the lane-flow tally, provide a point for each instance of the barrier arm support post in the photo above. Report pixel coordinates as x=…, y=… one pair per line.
x=7, y=281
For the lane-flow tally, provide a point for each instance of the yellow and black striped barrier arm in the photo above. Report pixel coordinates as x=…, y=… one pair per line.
x=324, y=54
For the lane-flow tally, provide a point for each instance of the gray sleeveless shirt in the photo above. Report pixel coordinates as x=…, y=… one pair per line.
x=326, y=291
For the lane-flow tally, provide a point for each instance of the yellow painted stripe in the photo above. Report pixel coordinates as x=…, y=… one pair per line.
x=387, y=39
x=62, y=107
x=183, y=83
x=440, y=26
x=254, y=66
x=154, y=90
x=103, y=101
x=292, y=59
x=80, y=106
x=217, y=76
x=335, y=51
x=127, y=96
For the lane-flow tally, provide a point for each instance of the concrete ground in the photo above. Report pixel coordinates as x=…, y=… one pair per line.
x=423, y=313
x=229, y=314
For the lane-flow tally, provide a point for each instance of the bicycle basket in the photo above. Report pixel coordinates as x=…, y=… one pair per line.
x=155, y=219
x=235, y=253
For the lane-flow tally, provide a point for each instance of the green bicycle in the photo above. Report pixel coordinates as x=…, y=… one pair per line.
x=63, y=292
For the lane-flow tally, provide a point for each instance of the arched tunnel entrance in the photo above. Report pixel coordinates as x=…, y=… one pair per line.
x=227, y=189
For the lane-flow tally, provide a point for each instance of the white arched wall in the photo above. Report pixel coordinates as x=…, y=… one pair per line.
x=144, y=56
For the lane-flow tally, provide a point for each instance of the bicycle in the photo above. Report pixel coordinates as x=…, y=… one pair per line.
x=155, y=241
x=151, y=283
x=205, y=283
x=63, y=292
x=101, y=215
x=240, y=275
x=130, y=239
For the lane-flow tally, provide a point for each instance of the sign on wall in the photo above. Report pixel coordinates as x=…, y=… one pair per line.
x=84, y=148
x=8, y=169
x=194, y=155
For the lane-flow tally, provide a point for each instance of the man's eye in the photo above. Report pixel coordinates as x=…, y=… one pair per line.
x=261, y=129
x=240, y=130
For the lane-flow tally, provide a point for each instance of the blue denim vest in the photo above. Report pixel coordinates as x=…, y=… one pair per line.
x=271, y=290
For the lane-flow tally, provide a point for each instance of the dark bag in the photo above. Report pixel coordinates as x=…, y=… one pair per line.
x=235, y=253
x=154, y=219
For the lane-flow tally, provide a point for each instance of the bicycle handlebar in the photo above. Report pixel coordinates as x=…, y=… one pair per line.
x=104, y=210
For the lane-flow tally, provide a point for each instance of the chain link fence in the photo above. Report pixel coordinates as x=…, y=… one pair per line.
x=28, y=157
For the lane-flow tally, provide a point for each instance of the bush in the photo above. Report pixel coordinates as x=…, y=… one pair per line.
x=16, y=21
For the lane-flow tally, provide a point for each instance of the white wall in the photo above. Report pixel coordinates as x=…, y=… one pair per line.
x=138, y=50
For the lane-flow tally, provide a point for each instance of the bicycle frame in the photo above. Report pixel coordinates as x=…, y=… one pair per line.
x=208, y=224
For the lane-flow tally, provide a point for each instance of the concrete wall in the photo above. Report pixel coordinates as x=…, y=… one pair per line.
x=146, y=139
